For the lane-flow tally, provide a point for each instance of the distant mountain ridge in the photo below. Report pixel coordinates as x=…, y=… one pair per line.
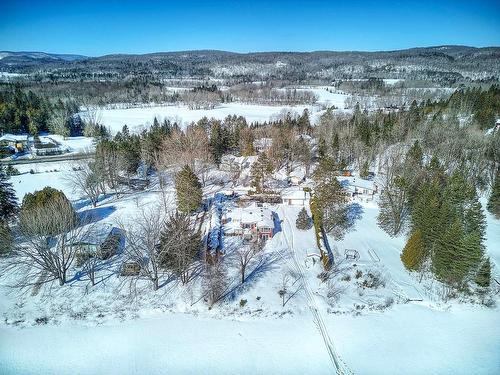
x=451, y=63
x=35, y=58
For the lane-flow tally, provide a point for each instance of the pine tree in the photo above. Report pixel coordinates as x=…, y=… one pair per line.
x=483, y=277
x=494, y=200
x=445, y=254
x=189, y=193
x=332, y=206
x=415, y=155
x=303, y=221
x=413, y=253
x=8, y=200
x=5, y=237
x=260, y=170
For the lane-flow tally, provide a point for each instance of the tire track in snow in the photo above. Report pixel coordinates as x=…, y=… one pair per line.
x=338, y=363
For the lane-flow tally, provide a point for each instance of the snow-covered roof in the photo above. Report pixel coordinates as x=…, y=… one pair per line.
x=295, y=194
x=356, y=182
x=14, y=138
x=299, y=173
x=96, y=235
x=252, y=214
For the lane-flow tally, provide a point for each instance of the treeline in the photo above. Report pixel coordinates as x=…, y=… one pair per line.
x=22, y=112
x=447, y=227
x=26, y=112
x=482, y=105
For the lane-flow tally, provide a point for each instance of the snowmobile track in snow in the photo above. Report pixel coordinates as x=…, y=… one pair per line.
x=339, y=365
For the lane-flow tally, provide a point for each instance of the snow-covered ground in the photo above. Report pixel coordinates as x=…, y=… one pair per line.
x=72, y=144
x=171, y=331
x=140, y=118
x=326, y=95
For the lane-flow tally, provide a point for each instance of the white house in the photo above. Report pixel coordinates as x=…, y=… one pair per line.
x=252, y=222
x=358, y=188
x=295, y=196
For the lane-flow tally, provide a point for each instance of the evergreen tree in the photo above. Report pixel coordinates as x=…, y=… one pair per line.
x=335, y=146
x=40, y=202
x=8, y=200
x=219, y=141
x=332, y=208
x=261, y=168
x=322, y=149
x=483, y=277
x=5, y=237
x=444, y=257
x=414, y=252
x=364, y=170
x=494, y=200
x=188, y=188
x=303, y=221
x=415, y=155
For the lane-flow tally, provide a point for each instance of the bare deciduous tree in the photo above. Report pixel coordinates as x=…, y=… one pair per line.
x=247, y=255
x=215, y=283
x=396, y=178
x=143, y=243
x=186, y=148
x=51, y=235
x=88, y=179
x=289, y=287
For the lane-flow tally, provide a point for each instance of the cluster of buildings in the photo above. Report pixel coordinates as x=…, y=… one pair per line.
x=21, y=143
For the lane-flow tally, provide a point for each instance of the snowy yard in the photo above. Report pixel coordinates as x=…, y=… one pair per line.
x=105, y=331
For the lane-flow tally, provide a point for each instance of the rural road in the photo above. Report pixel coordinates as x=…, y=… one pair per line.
x=44, y=159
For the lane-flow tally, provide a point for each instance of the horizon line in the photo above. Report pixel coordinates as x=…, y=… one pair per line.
x=248, y=52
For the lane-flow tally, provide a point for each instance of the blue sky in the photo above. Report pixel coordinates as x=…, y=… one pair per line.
x=102, y=27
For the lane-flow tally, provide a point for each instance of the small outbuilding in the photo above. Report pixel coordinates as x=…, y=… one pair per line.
x=295, y=197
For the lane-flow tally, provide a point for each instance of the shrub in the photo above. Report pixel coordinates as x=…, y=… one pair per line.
x=373, y=281
x=243, y=302
x=11, y=171
x=346, y=278
x=414, y=251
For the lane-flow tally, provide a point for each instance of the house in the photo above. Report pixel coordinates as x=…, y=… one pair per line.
x=253, y=222
x=103, y=242
x=19, y=143
x=46, y=147
x=262, y=144
x=296, y=177
x=295, y=197
x=359, y=188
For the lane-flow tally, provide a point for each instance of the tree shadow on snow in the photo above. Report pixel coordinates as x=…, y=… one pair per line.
x=267, y=263
x=94, y=215
x=86, y=202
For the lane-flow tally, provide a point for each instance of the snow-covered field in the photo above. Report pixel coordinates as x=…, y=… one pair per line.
x=172, y=332
x=140, y=118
